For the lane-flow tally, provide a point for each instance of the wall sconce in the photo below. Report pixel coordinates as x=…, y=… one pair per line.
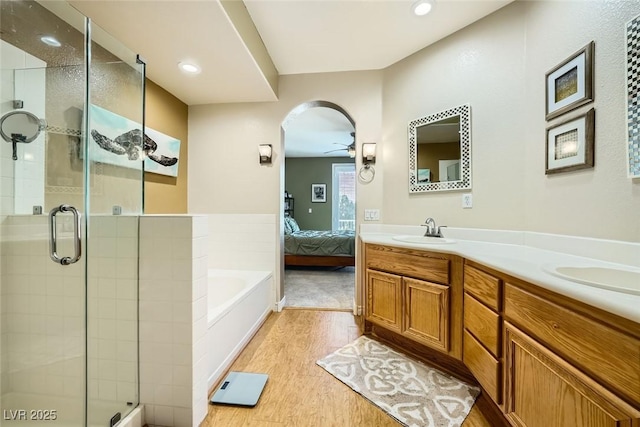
x=368, y=153
x=265, y=153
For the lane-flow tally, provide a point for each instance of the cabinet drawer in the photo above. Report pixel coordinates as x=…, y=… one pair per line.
x=484, y=367
x=408, y=263
x=483, y=286
x=611, y=357
x=483, y=323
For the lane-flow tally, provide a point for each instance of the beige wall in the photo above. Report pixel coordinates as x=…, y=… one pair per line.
x=498, y=66
x=224, y=173
x=167, y=114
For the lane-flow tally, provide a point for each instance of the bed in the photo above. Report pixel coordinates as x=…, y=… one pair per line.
x=317, y=247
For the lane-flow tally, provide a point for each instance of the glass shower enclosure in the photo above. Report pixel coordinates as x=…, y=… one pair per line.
x=71, y=192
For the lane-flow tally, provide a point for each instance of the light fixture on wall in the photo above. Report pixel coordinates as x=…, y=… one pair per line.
x=367, y=172
x=265, y=153
x=351, y=150
x=422, y=7
x=368, y=153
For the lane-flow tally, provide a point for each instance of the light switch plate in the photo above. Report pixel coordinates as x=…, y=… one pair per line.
x=467, y=201
x=372, y=214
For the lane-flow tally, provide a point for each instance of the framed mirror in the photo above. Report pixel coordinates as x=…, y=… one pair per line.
x=440, y=151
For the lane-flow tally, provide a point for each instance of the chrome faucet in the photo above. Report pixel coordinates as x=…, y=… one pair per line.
x=432, y=230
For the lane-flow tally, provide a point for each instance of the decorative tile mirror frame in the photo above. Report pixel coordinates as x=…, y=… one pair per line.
x=633, y=97
x=464, y=183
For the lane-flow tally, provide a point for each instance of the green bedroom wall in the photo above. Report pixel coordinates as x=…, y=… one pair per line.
x=300, y=173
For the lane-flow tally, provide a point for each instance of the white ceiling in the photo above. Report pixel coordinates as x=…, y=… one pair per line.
x=300, y=36
x=317, y=131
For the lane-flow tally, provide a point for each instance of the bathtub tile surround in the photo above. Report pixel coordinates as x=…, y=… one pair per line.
x=173, y=319
x=244, y=242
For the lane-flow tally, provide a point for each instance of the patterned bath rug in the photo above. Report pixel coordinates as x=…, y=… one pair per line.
x=411, y=392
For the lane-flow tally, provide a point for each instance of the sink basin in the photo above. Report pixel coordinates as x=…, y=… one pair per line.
x=424, y=240
x=621, y=280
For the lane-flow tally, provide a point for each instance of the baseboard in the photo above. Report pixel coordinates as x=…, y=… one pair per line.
x=280, y=304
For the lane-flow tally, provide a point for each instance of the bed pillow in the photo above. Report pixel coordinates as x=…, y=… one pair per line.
x=287, y=225
x=293, y=224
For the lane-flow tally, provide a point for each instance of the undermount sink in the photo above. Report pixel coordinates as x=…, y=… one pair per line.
x=621, y=280
x=424, y=240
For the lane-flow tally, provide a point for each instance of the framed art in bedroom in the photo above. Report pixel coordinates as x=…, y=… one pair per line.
x=318, y=193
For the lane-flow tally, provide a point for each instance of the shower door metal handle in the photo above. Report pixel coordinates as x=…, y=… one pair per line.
x=53, y=240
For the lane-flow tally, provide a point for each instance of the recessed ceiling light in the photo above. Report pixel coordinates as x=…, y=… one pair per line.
x=422, y=7
x=188, y=67
x=51, y=41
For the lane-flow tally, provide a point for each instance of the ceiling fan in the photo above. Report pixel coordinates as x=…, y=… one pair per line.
x=351, y=148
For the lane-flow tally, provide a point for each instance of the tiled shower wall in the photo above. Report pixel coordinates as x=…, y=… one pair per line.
x=43, y=310
x=112, y=321
x=42, y=314
x=22, y=77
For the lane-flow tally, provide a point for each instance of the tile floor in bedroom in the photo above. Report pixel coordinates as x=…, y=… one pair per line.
x=300, y=393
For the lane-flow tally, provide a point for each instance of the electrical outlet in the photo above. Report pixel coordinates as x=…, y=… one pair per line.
x=467, y=201
x=310, y=210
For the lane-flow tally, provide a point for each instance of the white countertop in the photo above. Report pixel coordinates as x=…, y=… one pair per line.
x=508, y=252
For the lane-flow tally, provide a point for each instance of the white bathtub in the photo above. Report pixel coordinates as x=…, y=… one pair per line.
x=239, y=302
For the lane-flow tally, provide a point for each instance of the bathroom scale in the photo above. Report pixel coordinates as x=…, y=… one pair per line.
x=240, y=388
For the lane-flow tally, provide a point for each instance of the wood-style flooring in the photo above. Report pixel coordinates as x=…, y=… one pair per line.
x=300, y=393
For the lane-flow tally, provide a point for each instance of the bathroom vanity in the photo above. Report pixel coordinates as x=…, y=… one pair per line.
x=541, y=354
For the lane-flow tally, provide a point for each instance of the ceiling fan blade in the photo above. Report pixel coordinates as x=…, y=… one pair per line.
x=339, y=149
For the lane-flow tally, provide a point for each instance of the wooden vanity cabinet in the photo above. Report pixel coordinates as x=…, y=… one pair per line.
x=544, y=359
x=409, y=292
x=426, y=313
x=543, y=390
x=482, y=345
x=384, y=299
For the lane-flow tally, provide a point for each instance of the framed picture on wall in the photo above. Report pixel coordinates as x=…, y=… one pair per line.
x=570, y=144
x=570, y=84
x=318, y=193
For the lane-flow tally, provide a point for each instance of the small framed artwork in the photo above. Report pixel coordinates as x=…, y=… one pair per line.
x=424, y=175
x=318, y=193
x=570, y=84
x=570, y=145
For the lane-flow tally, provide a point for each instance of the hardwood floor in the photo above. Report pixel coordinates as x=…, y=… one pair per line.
x=300, y=393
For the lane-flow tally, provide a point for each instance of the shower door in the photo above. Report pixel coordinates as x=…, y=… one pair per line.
x=69, y=207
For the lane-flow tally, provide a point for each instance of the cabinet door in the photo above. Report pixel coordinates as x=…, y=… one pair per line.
x=384, y=299
x=427, y=313
x=543, y=390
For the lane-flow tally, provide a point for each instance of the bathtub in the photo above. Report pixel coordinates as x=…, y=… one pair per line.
x=239, y=302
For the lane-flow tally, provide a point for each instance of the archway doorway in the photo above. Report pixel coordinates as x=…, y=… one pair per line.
x=318, y=209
